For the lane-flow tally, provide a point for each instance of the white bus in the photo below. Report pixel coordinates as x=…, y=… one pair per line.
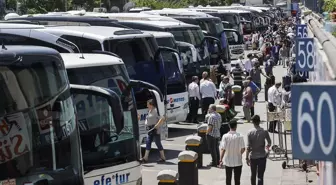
x=110, y=152
x=138, y=50
x=177, y=92
x=38, y=119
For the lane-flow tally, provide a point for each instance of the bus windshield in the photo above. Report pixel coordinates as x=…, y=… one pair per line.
x=212, y=26
x=138, y=55
x=193, y=36
x=246, y=16
x=37, y=121
x=167, y=42
x=104, y=142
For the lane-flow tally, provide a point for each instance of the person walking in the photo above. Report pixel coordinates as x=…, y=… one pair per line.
x=213, y=134
x=209, y=92
x=232, y=148
x=256, y=73
x=256, y=155
x=194, y=98
x=153, y=123
x=248, y=64
x=274, y=100
x=225, y=90
x=247, y=100
x=255, y=90
x=282, y=56
x=275, y=53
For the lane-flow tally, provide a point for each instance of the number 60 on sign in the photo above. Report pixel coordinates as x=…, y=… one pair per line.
x=314, y=121
x=305, y=54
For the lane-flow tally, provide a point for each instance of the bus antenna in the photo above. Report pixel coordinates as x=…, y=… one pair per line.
x=82, y=57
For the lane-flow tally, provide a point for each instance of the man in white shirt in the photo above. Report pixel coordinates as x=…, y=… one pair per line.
x=232, y=148
x=248, y=64
x=208, y=92
x=205, y=76
x=274, y=100
x=194, y=98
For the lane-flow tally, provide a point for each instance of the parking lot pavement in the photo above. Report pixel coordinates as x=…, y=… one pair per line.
x=274, y=174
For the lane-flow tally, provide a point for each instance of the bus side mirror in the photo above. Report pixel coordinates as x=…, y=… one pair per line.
x=205, y=32
x=214, y=44
x=160, y=104
x=97, y=106
x=145, y=85
x=159, y=52
x=188, y=52
x=178, y=60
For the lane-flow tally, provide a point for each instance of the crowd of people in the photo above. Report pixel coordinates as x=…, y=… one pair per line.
x=275, y=47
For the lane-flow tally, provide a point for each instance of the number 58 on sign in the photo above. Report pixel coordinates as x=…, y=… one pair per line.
x=305, y=54
x=314, y=121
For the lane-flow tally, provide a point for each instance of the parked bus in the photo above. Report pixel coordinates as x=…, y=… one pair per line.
x=138, y=50
x=10, y=35
x=176, y=85
x=110, y=152
x=38, y=117
x=210, y=25
x=182, y=32
x=177, y=91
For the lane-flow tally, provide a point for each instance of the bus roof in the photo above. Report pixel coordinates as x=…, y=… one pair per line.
x=76, y=60
x=159, y=34
x=177, y=12
x=19, y=26
x=162, y=24
x=64, y=18
x=100, y=33
x=205, y=10
x=132, y=16
x=28, y=50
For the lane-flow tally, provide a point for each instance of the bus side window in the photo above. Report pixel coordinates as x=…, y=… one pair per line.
x=10, y=39
x=85, y=45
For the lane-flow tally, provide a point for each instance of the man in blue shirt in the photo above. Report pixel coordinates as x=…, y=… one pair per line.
x=275, y=53
x=255, y=91
x=268, y=65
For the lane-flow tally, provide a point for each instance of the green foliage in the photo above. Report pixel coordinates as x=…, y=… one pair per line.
x=329, y=5
x=159, y=4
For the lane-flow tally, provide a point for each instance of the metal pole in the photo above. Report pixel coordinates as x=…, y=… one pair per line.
x=66, y=5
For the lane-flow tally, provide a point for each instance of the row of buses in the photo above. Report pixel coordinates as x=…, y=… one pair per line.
x=74, y=83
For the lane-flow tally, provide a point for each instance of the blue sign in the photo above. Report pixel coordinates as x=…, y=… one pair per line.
x=301, y=31
x=303, y=74
x=314, y=121
x=305, y=54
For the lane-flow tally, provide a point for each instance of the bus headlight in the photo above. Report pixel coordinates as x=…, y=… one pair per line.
x=139, y=181
x=186, y=105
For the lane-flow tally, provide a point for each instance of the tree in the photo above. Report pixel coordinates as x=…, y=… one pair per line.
x=329, y=5
x=160, y=4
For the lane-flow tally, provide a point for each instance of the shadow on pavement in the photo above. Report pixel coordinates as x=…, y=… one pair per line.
x=180, y=132
x=154, y=155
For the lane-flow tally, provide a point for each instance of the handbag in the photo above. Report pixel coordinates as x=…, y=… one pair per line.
x=151, y=130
